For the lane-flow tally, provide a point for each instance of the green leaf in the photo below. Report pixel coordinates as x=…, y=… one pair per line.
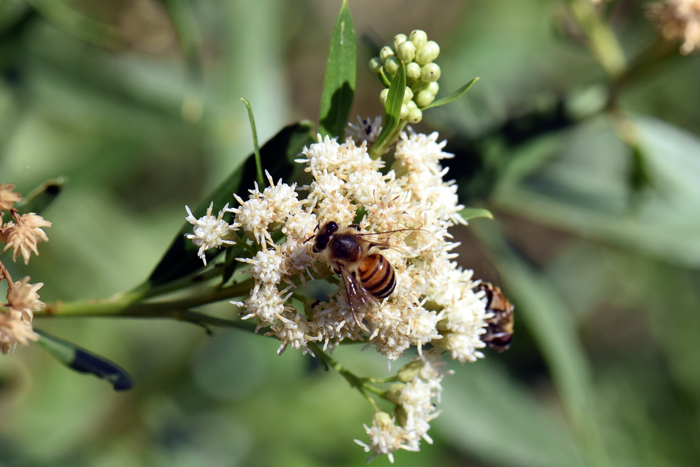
x=277, y=157
x=553, y=327
x=256, y=147
x=497, y=420
x=190, y=40
x=454, y=96
x=392, y=109
x=83, y=361
x=339, y=84
x=475, y=213
x=586, y=189
x=41, y=197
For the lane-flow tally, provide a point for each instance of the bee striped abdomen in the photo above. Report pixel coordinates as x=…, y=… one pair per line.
x=377, y=275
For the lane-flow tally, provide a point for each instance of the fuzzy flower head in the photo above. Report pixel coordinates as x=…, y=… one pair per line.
x=678, y=20
x=209, y=231
x=8, y=197
x=16, y=318
x=23, y=234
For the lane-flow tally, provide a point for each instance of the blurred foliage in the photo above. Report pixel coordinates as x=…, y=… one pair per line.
x=136, y=105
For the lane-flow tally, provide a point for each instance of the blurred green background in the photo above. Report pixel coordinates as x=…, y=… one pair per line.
x=136, y=104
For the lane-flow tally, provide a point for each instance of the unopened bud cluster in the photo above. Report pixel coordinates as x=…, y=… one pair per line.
x=417, y=54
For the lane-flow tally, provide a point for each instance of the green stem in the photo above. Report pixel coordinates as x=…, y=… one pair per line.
x=355, y=381
x=131, y=304
x=601, y=40
x=377, y=151
x=653, y=56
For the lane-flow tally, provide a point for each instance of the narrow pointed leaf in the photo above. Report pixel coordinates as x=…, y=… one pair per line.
x=339, y=84
x=190, y=41
x=392, y=108
x=552, y=326
x=256, y=147
x=277, y=156
x=41, y=197
x=84, y=361
x=475, y=213
x=454, y=96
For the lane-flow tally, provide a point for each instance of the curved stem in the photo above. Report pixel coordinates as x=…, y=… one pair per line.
x=350, y=377
x=131, y=304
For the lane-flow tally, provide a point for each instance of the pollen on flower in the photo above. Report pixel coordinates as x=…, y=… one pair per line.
x=209, y=231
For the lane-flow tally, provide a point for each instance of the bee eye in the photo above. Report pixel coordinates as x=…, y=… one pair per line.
x=331, y=227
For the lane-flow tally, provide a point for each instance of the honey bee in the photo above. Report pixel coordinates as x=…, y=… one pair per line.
x=368, y=277
x=499, y=334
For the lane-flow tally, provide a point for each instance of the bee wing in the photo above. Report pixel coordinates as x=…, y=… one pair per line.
x=377, y=239
x=358, y=297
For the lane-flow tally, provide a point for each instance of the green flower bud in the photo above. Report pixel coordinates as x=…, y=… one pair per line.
x=385, y=53
x=375, y=64
x=406, y=52
x=414, y=115
x=383, y=95
x=404, y=112
x=424, y=98
x=413, y=71
x=398, y=40
x=407, y=95
x=391, y=66
x=418, y=37
x=401, y=416
x=394, y=393
x=382, y=419
x=433, y=88
x=411, y=105
x=428, y=53
x=430, y=72
x=410, y=371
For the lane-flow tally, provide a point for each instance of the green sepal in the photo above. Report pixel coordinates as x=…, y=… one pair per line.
x=455, y=95
x=341, y=74
x=475, y=213
x=83, y=361
x=277, y=157
x=392, y=109
x=41, y=197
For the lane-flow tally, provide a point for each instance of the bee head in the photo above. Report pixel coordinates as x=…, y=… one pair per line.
x=324, y=236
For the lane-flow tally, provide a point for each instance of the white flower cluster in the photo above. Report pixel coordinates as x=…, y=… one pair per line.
x=433, y=301
x=408, y=208
x=415, y=406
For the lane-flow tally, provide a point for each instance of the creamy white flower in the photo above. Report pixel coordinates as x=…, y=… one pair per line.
x=267, y=267
x=293, y=330
x=385, y=437
x=209, y=231
x=265, y=303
